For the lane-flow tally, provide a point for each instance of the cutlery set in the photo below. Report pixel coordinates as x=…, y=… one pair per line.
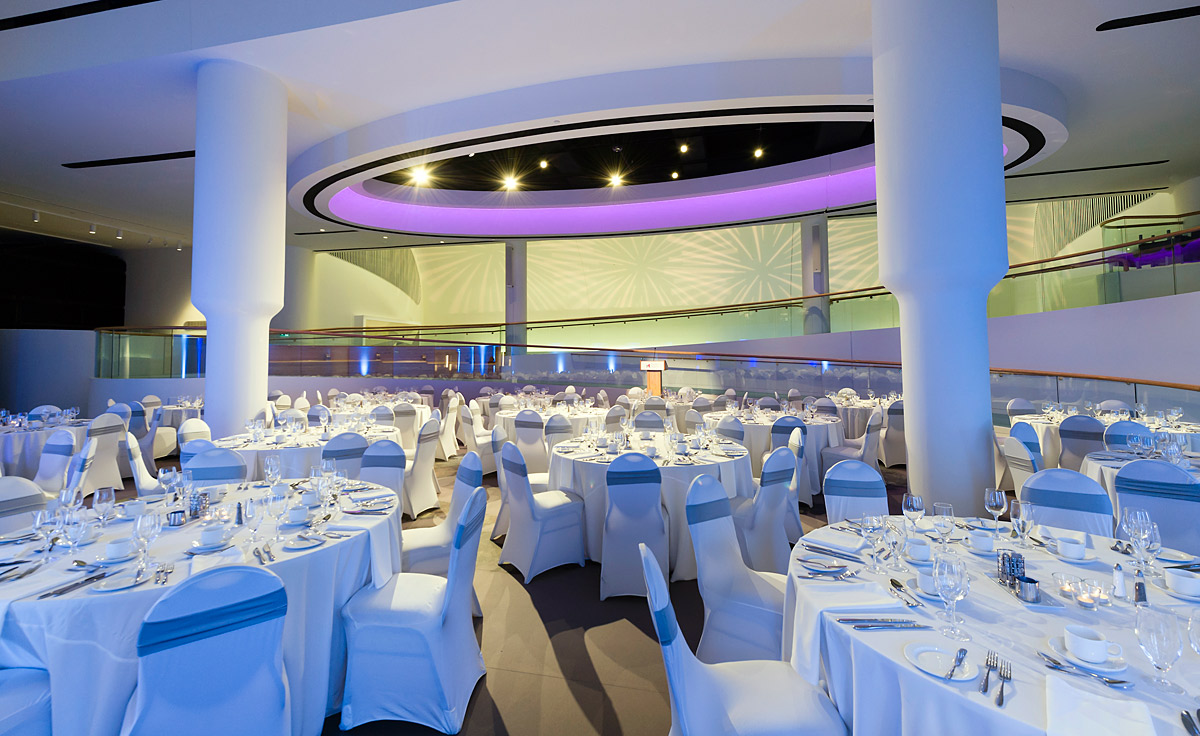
x=882, y=624
x=822, y=550
x=1003, y=670
x=1059, y=666
x=162, y=572
x=70, y=587
x=1189, y=723
x=263, y=555
x=904, y=594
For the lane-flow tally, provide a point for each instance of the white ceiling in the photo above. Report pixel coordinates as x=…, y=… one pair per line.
x=82, y=93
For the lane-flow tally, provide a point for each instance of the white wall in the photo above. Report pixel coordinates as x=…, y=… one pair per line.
x=324, y=291
x=158, y=287
x=46, y=367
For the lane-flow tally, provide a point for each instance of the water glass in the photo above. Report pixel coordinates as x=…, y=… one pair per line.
x=950, y=581
x=872, y=527
x=943, y=522
x=1158, y=636
x=894, y=539
x=1021, y=515
x=253, y=512
x=913, y=507
x=271, y=469
x=103, y=502
x=277, y=506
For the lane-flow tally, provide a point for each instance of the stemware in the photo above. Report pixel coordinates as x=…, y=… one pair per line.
x=1135, y=443
x=995, y=501
x=943, y=522
x=277, y=506
x=146, y=529
x=913, y=507
x=893, y=538
x=872, y=530
x=1021, y=514
x=950, y=580
x=76, y=529
x=271, y=469
x=1158, y=636
x=102, y=503
x=1135, y=523
x=1140, y=407
x=253, y=512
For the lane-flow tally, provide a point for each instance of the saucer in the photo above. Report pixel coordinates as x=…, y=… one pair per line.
x=914, y=561
x=822, y=564
x=1112, y=666
x=207, y=550
x=936, y=661
x=102, y=560
x=296, y=524
x=1088, y=557
x=979, y=552
x=912, y=585
x=200, y=548
x=1174, y=556
x=295, y=544
x=1162, y=585
x=121, y=581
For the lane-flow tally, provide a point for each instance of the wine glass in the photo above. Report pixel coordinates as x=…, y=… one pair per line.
x=253, y=512
x=995, y=501
x=103, y=502
x=271, y=469
x=1158, y=636
x=913, y=507
x=146, y=529
x=871, y=526
x=1140, y=407
x=1135, y=443
x=1021, y=515
x=893, y=538
x=950, y=580
x=1135, y=523
x=76, y=529
x=277, y=506
x=943, y=522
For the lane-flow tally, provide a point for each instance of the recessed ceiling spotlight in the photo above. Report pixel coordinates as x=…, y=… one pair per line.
x=510, y=182
x=543, y=163
x=683, y=148
x=420, y=176
x=615, y=180
x=92, y=230
x=385, y=237
x=322, y=229
x=441, y=241
x=758, y=153
x=37, y=216
x=120, y=234
x=178, y=245
x=471, y=155
x=674, y=174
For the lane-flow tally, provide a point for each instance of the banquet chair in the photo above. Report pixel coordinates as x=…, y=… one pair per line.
x=137, y=419
x=1116, y=437
x=1017, y=407
x=444, y=401
x=283, y=402
x=315, y=414
x=24, y=702
x=634, y=515
x=320, y=401
x=476, y=441
x=411, y=649
x=529, y=388
x=693, y=421
x=189, y=450
x=486, y=390
x=648, y=421
x=602, y=399
x=143, y=480
x=656, y=404
x=216, y=467
x=558, y=428
x=865, y=448
x=210, y=658
x=490, y=408
x=406, y=422
x=795, y=399
x=346, y=451
x=797, y=440
x=1079, y=435
x=194, y=429
x=852, y=489
x=731, y=429
x=760, y=521
x=563, y=397
x=471, y=406
x=1022, y=463
x=743, y=608
x=614, y=418
x=384, y=463
x=636, y=393
x=721, y=403
x=768, y=403
x=159, y=441
x=447, y=445
x=702, y=405
x=427, y=549
x=290, y=415
x=686, y=393
x=500, y=527
x=530, y=439
x=384, y=416
x=330, y=395
x=266, y=415
x=420, y=481
x=892, y=449
x=1069, y=500
x=781, y=431
x=301, y=403
x=80, y=468
x=19, y=499
x=624, y=402
x=41, y=413
x=51, y=474
x=766, y=697
x=1115, y=405
x=353, y=398
x=507, y=403
x=1171, y=495
x=123, y=410
x=825, y=406
x=108, y=431
x=545, y=529
x=273, y=396
x=428, y=396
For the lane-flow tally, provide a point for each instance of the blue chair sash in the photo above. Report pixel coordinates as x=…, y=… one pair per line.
x=895, y=411
x=665, y=624
x=465, y=531
x=1092, y=503
x=732, y=433
x=405, y=410
x=158, y=636
x=473, y=477
x=1162, y=489
x=137, y=412
x=428, y=437
x=1080, y=434
x=776, y=476
x=707, y=511
x=515, y=467
x=219, y=472
x=633, y=477
x=97, y=431
x=528, y=424
x=58, y=450
x=23, y=503
x=343, y=453
x=383, y=461
x=855, y=488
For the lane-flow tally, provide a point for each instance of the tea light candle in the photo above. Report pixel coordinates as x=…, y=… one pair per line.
x=1085, y=595
x=1066, y=584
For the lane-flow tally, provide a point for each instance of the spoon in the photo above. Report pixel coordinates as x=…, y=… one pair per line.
x=958, y=660
x=1063, y=667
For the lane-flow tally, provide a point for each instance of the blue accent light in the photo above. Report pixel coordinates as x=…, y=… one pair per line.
x=753, y=362
x=562, y=362
x=824, y=366
x=364, y=362
x=612, y=363
x=183, y=362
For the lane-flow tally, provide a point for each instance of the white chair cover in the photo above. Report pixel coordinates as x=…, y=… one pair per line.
x=123, y=410
x=459, y=430
x=864, y=449
x=108, y=430
x=283, y=402
x=1171, y=495
x=420, y=483
x=1017, y=407
x=490, y=408
x=731, y=428
x=194, y=429
x=411, y=649
x=406, y=423
x=781, y=431
x=384, y=416
x=217, y=467
x=721, y=403
x=852, y=489
x=760, y=521
x=273, y=396
x=346, y=451
x=615, y=416
x=602, y=399
x=218, y=637
x=191, y=449
x=1021, y=463
x=500, y=527
x=795, y=528
x=137, y=419
x=41, y=413
x=1079, y=435
x=145, y=483
x=636, y=393
x=476, y=440
x=545, y=529
x=768, y=403
x=80, y=467
x=447, y=446
x=743, y=608
x=302, y=404
x=795, y=399
x=19, y=498
x=531, y=441
x=558, y=428
x=52, y=466
x=1116, y=437
x=266, y=415
x=892, y=449
x=760, y=697
x=658, y=405
x=826, y=406
x=702, y=405
x=159, y=441
x=624, y=402
x=316, y=412
x=1025, y=433
x=1113, y=405
x=507, y=403
x=1069, y=500
x=384, y=463
x=320, y=400
x=648, y=421
x=693, y=421
x=634, y=516
x=24, y=702
x=686, y=393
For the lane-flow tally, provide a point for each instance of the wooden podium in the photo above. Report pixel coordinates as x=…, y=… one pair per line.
x=654, y=370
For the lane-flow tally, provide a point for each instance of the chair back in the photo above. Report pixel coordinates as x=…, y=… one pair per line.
x=731, y=428
x=469, y=434
x=291, y=415
x=145, y=483
x=1017, y=407
x=602, y=399
x=558, y=428
x=719, y=564
x=702, y=405
x=108, y=430
x=870, y=440
x=192, y=448
x=770, y=502
x=274, y=395
x=266, y=415
x=624, y=402
x=530, y=433
x=825, y=406
x=508, y=403
x=854, y=488
x=464, y=550
x=636, y=392
x=80, y=466
x=301, y=403
x=634, y=482
x=1114, y=405
x=781, y=430
x=315, y=414
x=1116, y=437
x=529, y=389
x=656, y=404
x=895, y=418
x=687, y=393
x=123, y=410
x=498, y=440
x=43, y=412
x=227, y=619
x=56, y=456
x=383, y=464
x=769, y=403
x=1079, y=435
x=615, y=416
x=693, y=421
x=516, y=477
x=648, y=421
x=346, y=451
x=426, y=450
x=384, y=416
x=137, y=419
x=1025, y=432
x=405, y=420
x=19, y=496
x=151, y=402
x=194, y=429
x=217, y=467
x=1069, y=500
x=1171, y=495
x=283, y=402
x=1021, y=463
x=795, y=399
x=721, y=403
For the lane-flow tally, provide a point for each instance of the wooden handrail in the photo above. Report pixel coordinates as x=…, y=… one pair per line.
x=1148, y=217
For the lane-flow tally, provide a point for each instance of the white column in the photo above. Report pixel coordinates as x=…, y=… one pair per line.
x=942, y=243
x=515, y=309
x=238, y=232
x=300, y=293
x=814, y=260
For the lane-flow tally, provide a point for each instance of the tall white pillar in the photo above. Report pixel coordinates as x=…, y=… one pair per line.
x=300, y=291
x=942, y=244
x=515, y=303
x=814, y=260
x=238, y=232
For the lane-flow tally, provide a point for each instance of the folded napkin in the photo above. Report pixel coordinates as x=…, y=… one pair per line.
x=231, y=556
x=360, y=496
x=813, y=598
x=842, y=544
x=1071, y=711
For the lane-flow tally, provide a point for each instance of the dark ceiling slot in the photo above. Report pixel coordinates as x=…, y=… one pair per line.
x=70, y=11
x=327, y=232
x=1148, y=18
x=1091, y=168
x=1087, y=194
x=130, y=160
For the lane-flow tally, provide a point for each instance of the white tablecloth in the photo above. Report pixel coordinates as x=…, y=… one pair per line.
x=587, y=478
x=855, y=415
x=1102, y=467
x=822, y=432
x=878, y=692
x=173, y=416
x=297, y=456
x=1047, y=428
x=21, y=450
x=423, y=413
x=508, y=421
x=87, y=641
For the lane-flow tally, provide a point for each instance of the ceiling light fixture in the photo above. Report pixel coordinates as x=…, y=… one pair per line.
x=470, y=155
x=674, y=174
x=92, y=230
x=420, y=176
x=120, y=234
x=510, y=182
x=322, y=229
x=758, y=153
x=178, y=245
x=385, y=237
x=150, y=241
x=683, y=148
x=615, y=180
x=37, y=216
x=543, y=163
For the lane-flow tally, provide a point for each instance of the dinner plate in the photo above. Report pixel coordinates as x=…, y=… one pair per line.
x=822, y=564
x=198, y=548
x=121, y=581
x=914, y=561
x=102, y=560
x=193, y=552
x=937, y=661
x=16, y=537
x=1174, y=555
x=296, y=544
x=1112, y=666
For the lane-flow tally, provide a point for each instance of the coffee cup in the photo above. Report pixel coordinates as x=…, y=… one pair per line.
x=134, y=507
x=695, y=443
x=309, y=498
x=297, y=514
x=981, y=541
x=613, y=449
x=681, y=448
x=1183, y=581
x=212, y=534
x=118, y=548
x=645, y=434
x=926, y=583
x=651, y=451
x=602, y=441
x=1089, y=645
x=1072, y=549
x=919, y=549
x=280, y=439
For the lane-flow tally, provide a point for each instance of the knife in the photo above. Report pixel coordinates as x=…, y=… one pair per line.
x=848, y=620
x=893, y=627
x=831, y=552
x=897, y=585
x=75, y=585
x=1188, y=723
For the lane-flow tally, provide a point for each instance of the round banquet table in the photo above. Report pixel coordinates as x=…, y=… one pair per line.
x=583, y=472
x=1047, y=430
x=856, y=414
x=507, y=420
x=297, y=455
x=1102, y=467
x=174, y=415
x=423, y=413
x=877, y=690
x=87, y=641
x=21, y=449
x=822, y=432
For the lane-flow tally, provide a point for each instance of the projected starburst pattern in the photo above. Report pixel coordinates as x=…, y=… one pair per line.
x=462, y=283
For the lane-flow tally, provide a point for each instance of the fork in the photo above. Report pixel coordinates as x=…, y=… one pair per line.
x=990, y=663
x=1005, y=673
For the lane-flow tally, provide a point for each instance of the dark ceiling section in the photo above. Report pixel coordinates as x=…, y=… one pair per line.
x=1149, y=18
x=130, y=160
x=643, y=157
x=59, y=285
x=69, y=11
